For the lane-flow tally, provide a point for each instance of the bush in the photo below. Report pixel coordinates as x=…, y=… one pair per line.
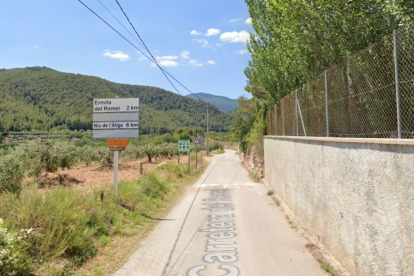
x=13, y=259
x=47, y=157
x=165, y=138
x=11, y=173
x=78, y=135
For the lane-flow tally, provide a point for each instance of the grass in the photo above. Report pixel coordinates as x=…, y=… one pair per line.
x=220, y=151
x=255, y=177
x=329, y=269
x=270, y=193
x=71, y=226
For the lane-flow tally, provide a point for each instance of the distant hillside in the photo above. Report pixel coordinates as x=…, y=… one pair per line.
x=39, y=98
x=221, y=102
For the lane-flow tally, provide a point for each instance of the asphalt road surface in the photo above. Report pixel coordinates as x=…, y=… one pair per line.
x=226, y=225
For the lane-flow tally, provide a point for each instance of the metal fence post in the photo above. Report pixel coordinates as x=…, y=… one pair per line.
x=397, y=84
x=296, y=113
x=267, y=122
x=326, y=103
x=283, y=116
x=275, y=111
x=301, y=118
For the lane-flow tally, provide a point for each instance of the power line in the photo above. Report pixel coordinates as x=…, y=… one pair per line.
x=115, y=30
x=124, y=38
x=120, y=23
x=162, y=70
x=152, y=60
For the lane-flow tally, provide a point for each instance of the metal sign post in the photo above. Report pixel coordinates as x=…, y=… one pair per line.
x=184, y=146
x=196, y=142
x=116, y=153
x=201, y=150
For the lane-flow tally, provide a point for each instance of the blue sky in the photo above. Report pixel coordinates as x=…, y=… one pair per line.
x=201, y=43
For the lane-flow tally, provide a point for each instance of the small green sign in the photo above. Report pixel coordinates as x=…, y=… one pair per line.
x=184, y=145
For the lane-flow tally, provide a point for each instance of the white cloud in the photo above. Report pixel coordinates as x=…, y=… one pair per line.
x=167, y=61
x=36, y=47
x=211, y=32
x=203, y=43
x=248, y=21
x=142, y=57
x=211, y=62
x=194, y=32
x=242, y=52
x=195, y=63
x=234, y=20
x=234, y=37
x=166, y=57
x=218, y=44
x=119, y=55
x=185, y=54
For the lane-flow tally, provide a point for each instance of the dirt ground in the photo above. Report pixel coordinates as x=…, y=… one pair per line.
x=97, y=174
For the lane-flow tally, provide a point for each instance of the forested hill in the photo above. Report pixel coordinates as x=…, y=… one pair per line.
x=39, y=98
x=221, y=102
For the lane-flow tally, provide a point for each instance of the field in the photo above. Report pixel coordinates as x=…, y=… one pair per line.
x=58, y=215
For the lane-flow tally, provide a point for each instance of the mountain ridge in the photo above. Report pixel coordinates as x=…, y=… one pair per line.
x=41, y=98
x=222, y=102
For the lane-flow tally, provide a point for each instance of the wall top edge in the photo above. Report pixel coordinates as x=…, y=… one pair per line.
x=382, y=141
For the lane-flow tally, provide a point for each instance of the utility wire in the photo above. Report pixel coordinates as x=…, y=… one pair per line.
x=163, y=70
x=127, y=41
x=115, y=30
x=120, y=23
x=155, y=60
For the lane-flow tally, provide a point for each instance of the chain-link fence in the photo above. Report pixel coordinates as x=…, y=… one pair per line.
x=371, y=94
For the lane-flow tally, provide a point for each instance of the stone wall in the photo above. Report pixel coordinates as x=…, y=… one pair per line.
x=356, y=195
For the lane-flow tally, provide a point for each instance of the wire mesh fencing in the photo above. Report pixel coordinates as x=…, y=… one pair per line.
x=371, y=94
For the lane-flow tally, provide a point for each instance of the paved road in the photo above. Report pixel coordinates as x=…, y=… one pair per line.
x=225, y=226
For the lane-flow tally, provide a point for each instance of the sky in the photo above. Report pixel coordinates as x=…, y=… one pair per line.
x=201, y=43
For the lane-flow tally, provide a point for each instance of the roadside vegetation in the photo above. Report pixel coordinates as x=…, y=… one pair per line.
x=54, y=229
x=296, y=41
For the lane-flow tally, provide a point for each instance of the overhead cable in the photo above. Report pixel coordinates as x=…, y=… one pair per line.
x=156, y=62
x=149, y=58
x=125, y=39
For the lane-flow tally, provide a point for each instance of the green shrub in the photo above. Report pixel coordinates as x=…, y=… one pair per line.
x=104, y=240
x=78, y=135
x=48, y=157
x=11, y=173
x=165, y=138
x=13, y=257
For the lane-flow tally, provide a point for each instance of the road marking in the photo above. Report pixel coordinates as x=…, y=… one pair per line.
x=225, y=185
x=221, y=229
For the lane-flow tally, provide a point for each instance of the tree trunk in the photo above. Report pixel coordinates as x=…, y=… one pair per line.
x=149, y=157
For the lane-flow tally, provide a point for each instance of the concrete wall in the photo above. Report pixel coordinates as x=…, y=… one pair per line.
x=357, y=195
